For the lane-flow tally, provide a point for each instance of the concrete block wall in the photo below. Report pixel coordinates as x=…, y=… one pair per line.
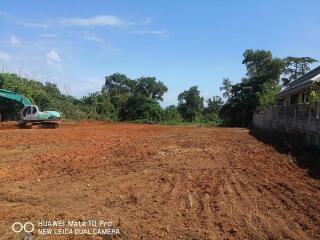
x=299, y=123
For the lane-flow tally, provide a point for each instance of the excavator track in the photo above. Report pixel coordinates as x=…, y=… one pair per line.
x=44, y=124
x=49, y=125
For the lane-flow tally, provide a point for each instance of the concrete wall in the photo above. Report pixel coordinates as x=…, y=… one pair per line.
x=298, y=123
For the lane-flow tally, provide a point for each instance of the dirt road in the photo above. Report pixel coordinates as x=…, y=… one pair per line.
x=156, y=182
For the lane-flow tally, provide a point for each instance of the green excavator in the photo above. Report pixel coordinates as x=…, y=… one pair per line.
x=30, y=114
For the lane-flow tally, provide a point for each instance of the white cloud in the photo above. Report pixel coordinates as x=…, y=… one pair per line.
x=19, y=21
x=102, y=20
x=152, y=32
x=143, y=22
x=53, y=57
x=5, y=57
x=54, y=60
x=49, y=35
x=14, y=41
x=34, y=25
x=93, y=38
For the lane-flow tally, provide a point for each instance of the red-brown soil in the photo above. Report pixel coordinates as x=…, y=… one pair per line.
x=156, y=182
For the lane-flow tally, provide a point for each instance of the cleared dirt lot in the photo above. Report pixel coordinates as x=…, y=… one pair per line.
x=156, y=182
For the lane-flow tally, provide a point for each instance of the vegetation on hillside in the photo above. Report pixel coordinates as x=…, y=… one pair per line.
x=46, y=95
x=120, y=98
x=125, y=99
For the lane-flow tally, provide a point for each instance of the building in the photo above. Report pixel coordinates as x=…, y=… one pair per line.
x=298, y=90
x=295, y=119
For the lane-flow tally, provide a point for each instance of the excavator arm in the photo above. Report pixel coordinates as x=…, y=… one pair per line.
x=15, y=96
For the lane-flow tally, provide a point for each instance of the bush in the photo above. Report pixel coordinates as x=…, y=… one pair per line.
x=141, y=108
x=171, y=115
x=211, y=118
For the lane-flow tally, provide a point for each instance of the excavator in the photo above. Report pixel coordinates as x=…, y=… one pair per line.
x=30, y=114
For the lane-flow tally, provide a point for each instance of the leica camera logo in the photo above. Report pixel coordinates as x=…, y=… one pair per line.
x=26, y=227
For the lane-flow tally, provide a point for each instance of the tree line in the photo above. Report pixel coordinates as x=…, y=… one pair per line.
x=125, y=99
x=120, y=99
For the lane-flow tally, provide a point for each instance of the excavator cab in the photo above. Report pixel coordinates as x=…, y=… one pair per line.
x=29, y=112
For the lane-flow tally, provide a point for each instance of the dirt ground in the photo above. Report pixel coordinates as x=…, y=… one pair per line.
x=156, y=182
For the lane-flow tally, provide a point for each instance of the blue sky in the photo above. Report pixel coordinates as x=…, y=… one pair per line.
x=182, y=43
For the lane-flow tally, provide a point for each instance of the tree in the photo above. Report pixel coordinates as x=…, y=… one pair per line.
x=98, y=106
x=314, y=94
x=127, y=95
x=214, y=104
x=263, y=75
x=226, y=88
x=267, y=96
x=190, y=104
x=52, y=89
x=141, y=108
x=262, y=67
x=150, y=87
x=296, y=67
x=211, y=112
x=142, y=103
x=119, y=88
x=256, y=62
x=118, y=83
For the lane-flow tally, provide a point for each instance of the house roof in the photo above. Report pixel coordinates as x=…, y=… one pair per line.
x=301, y=83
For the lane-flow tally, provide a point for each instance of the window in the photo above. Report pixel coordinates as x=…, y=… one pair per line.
x=29, y=111
x=24, y=112
x=34, y=110
x=294, y=99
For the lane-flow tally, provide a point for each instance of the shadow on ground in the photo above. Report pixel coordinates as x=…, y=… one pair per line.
x=305, y=157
